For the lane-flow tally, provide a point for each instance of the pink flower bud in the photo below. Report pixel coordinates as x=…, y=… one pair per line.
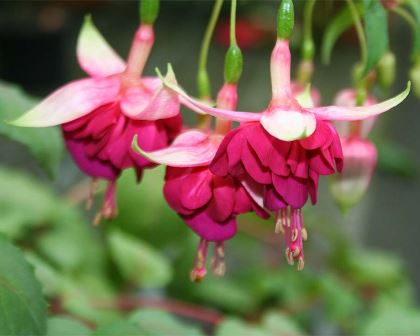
x=349, y=187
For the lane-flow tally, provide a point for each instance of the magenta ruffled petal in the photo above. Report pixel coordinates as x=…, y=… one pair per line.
x=253, y=166
x=222, y=203
x=208, y=229
x=196, y=189
x=273, y=200
x=90, y=165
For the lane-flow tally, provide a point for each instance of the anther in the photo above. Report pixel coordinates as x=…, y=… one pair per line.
x=304, y=234
x=301, y=264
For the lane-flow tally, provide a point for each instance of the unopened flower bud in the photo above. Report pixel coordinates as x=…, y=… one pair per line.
x=203, y=83
x=386, y=70
x=349, y=187
x=233, y=64
x=285, y=19
x=149, y=10
x=415, y=78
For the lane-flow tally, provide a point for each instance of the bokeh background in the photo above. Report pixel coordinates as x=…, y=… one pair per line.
x=361, y=274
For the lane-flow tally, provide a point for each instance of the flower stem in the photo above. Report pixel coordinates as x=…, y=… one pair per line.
x=202, y=78
x=406, y=16
x=233, y=23
x=307, y=21
x=203, y=82
x=360, y=32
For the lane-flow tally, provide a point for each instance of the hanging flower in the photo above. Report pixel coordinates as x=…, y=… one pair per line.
x=207, y=203
x=100, y=115
x=359, y=153
x=284, y=149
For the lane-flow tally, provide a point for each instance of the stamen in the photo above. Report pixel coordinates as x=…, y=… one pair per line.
x=294, y=236
x=301, y=264
x=92, y=191
x=279, y=225
x=304, y=234
x=218, y=265
x=199, y=270
x=109, y=207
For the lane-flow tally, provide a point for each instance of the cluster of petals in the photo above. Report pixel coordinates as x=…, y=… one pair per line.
x=101, y=114
x=207, y=203
x=359, y=153
x=279, y=154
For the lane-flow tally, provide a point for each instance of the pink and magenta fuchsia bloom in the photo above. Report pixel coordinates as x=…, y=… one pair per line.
x=281, y=152
x=100, y=115
x=359, y=153
x=208, y=203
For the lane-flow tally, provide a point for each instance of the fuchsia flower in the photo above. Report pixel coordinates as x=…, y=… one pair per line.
x=360, y=154
x=281, y=152
x=208, y=203
x=101, y=114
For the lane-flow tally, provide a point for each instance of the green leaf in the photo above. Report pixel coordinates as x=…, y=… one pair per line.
x=63, y=326
x=26, y=203
x=139, y=262
x=337, y=26
x=22, y=308
x=373, y=268
x=45, y=144
x=376, y=30
x=276, y=323
x=415, y=6
x=233, y=326
x=393, y=320
x=341, y=301
x=119, y=328
x=226, y=294
x=156, y=322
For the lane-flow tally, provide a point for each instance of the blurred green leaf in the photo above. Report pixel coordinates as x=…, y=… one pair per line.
x=48, y=277
x=337, y=26
x=234, y=326
x=119, y=328
x=376, y=30
x=26, y=203
x=155, y=322
x=23, y=310
x=342, y=303
x=415, y=6
x=45, y=144
x=227, y=294
x=64, y=326
x=373, y=268
x=158, y=223
x=392, y=320
x=139, y=262
x=395, y=159
x=276, y=323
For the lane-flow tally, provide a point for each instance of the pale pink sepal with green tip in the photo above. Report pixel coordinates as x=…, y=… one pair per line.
x=94, y=54
x=359, y=112
x=70, y=102
x=190, y=149
x=290, y=122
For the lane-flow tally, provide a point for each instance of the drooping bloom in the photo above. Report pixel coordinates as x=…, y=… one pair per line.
x=207, y=203
x=282, y=151
x=100, y=115
x=359, y=153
